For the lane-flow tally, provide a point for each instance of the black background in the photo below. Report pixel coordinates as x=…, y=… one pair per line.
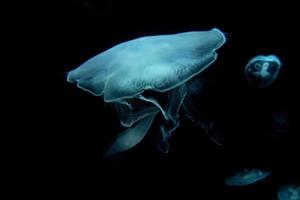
x=80, y=126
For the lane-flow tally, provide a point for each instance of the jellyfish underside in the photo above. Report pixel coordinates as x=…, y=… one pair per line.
x=163, y=64
x=247, y=177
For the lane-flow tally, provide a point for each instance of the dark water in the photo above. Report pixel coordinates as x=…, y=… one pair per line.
x=195, y=166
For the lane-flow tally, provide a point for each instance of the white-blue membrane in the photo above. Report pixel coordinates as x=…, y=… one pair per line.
x=162, y=63
x=289, y=192
x=247, y=177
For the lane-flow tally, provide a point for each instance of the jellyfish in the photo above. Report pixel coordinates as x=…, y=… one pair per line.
x=135, y=75
x=261, y=71
x=289, y=192
x=280, y=121
x=247, y=177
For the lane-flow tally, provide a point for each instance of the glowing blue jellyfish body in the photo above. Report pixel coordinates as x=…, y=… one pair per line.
x=289, y=192
x=262, y=71
x=247, y=177
x=163, y=64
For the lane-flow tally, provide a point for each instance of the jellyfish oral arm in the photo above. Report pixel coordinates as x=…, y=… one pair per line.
x=175, y=100
x=131, y=136
x=129, y=115
x=152, y=100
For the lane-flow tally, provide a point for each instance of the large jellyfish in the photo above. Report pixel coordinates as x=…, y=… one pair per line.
x=289, y=192
x=128, y=74
x=247, y=177
x=262, y=71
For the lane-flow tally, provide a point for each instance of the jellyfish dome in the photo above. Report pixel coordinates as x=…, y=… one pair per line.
x=289, y=192
x=247, y=177
x=262, y=71
x=124, y=74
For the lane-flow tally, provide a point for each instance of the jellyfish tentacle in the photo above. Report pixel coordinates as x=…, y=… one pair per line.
x=210, y=129
x=195, y=91
x=131, y=136
x=162, y=142
x=175, y=100
x=170, y=114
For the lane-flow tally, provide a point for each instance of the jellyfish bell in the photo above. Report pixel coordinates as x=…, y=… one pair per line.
x=247, y=177
x=163, y=64
x=261, y=71
x=289, y=192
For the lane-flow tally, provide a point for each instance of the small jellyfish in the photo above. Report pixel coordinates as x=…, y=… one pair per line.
x=247, y=177
x=280, y=121
x=128, y=74
x=262, y=71
x=289, y=192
